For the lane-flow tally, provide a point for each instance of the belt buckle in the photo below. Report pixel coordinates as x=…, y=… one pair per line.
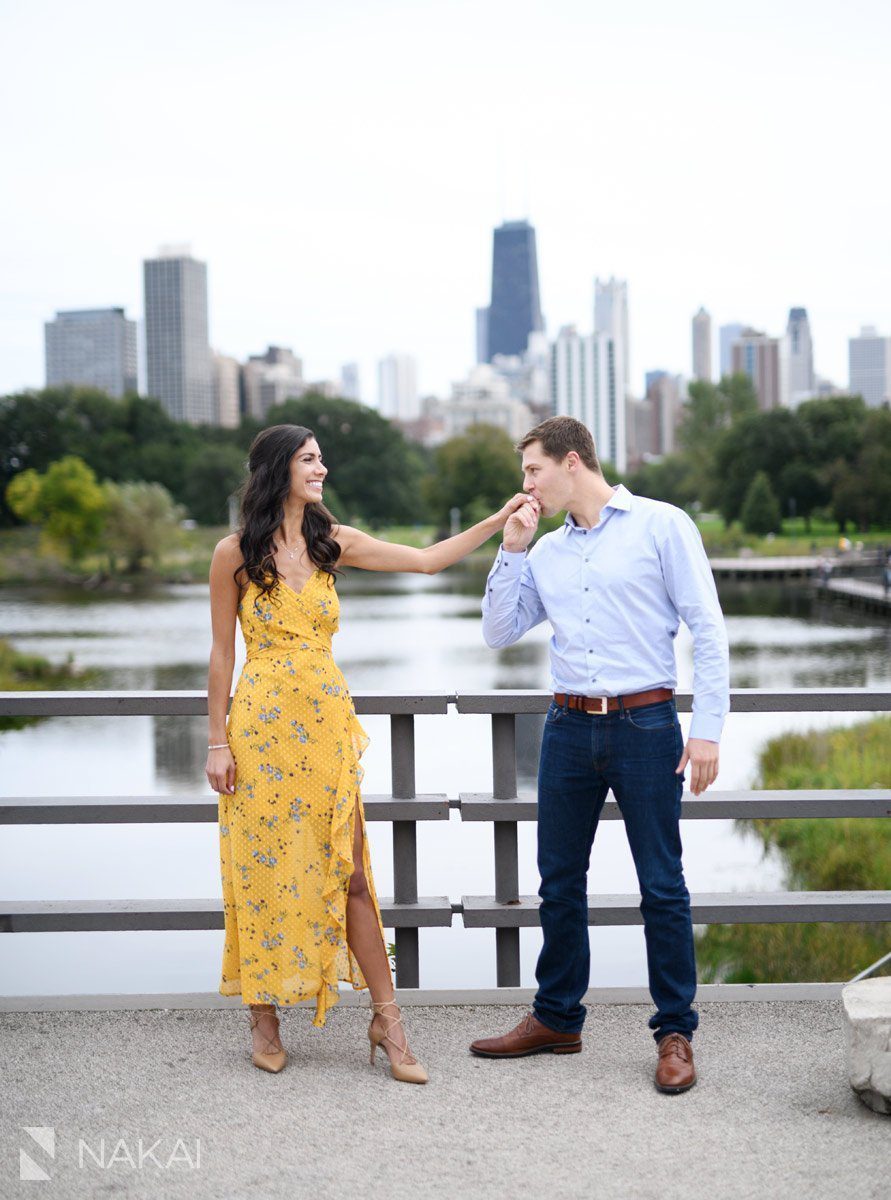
x=599, y=712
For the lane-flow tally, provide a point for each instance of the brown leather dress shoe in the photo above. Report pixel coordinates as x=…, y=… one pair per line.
x=675, y=1071
x=529, y=1037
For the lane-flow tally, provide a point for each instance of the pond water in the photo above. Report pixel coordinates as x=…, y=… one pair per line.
x=398, y=633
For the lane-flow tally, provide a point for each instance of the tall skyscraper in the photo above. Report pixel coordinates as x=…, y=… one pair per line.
x=272, y=378
x=665, y=396
x=869, y=366
x=766, y=362
x=727, y=335
x=482, y=334
x=349, y=382
x=702, y=346
x=91, y=347
x=397, y=388
x=611, y=316
x=585, y=384
x=801, y=356
x=226, y=391
x=178, y=356
x=515, y=308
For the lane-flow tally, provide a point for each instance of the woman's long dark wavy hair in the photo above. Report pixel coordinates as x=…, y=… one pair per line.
x=263, y=509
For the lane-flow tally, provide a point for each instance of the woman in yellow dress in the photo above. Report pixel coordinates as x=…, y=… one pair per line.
x=300, y=907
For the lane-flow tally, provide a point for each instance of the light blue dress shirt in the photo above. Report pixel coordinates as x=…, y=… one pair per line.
x=614, y=596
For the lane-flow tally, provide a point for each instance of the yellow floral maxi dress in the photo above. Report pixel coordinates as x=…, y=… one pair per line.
x=286, y=832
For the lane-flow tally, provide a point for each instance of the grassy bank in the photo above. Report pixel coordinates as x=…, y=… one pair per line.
x=22, y=562
x=31, y=673
x=820, y=855
x=795, y=539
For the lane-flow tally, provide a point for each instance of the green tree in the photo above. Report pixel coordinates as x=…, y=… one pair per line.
x=766, y=442
x=142, y=521
x=36, y=428
x=375, y=471
x=476, y=472
x=862, y=490
x=760, y=510
x=23, y=496
x=711, y=408
x=803, y=488
x=675, y=479
x=704, y=416
x=740, y=397
x=211, y=479
x=834, y=428
x=67, y=502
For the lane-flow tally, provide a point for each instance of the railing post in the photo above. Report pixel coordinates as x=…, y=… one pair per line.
x=405, y=845
x=507, y=876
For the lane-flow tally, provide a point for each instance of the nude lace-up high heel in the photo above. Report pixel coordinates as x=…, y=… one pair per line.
x=267, y=1060
x=404, y=1066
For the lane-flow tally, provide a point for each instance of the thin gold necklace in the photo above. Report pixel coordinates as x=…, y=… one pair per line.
x=290, y=553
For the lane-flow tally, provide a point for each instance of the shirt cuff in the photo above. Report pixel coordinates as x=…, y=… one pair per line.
x=511, y=561
x=706, y=726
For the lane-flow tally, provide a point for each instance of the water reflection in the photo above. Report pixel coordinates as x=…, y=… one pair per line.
x=399, y=633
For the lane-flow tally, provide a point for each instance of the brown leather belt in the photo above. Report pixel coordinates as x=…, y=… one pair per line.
x=604, y=704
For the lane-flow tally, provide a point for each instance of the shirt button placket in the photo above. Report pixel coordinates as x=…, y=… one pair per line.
x=587, y=588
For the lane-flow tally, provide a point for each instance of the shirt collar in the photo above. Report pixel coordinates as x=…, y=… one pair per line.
x=621, y=498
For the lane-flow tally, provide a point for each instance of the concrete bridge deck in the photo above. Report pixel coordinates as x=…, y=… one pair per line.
x=772, y=1115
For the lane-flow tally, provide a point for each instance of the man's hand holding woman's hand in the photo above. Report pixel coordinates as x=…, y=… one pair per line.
x=521, y=523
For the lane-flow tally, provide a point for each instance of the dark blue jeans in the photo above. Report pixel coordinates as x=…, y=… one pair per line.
x=634, y=752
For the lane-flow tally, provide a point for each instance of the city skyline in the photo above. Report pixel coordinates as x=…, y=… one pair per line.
x=304, y=263
x=610, y=314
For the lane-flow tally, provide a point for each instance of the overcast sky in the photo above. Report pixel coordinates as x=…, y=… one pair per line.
x=340, y=167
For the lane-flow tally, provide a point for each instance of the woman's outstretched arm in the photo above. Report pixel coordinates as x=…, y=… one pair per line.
x=359, y=549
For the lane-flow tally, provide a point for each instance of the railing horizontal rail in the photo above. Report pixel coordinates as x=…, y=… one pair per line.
x=729, y=805
x=123, y=810
x=477, y=912
x=742, y=700
x=472, y=806
x=708, y=908
x=194, y=703
x=190, y=703
x=69, y=916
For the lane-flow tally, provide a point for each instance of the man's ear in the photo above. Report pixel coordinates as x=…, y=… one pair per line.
x=572, y=460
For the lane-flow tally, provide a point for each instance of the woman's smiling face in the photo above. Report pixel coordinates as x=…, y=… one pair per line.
x=308, y=473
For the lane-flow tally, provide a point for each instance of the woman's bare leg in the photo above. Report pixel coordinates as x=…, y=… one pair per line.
x=364, y=937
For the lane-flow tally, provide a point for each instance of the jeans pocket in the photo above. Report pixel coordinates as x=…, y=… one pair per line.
x=554, y=714
x=662, y=715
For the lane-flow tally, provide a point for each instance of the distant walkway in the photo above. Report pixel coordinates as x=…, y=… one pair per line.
x=793, y=566
x=772, y=1115
x=860, y=594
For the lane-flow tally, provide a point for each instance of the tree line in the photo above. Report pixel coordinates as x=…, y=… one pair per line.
x=829, y=457
x=91, y=469
x=119, y=475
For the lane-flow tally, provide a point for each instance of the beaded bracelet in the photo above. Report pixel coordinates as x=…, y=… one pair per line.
x=222, y=746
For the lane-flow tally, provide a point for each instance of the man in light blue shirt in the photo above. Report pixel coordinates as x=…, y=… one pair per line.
x=614, y=582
